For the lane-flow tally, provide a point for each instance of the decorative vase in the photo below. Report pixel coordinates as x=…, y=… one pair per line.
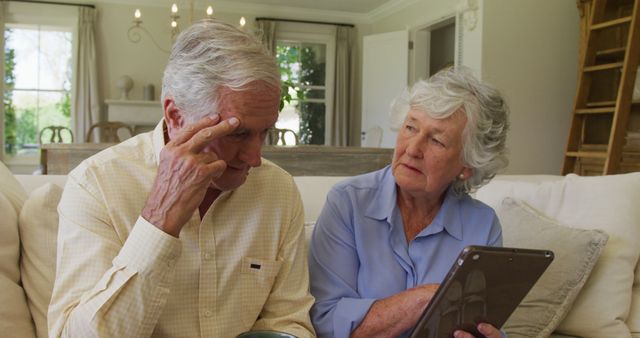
x=149, y=92
x=125, y=83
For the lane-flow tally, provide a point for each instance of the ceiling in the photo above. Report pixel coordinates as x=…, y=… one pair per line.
x=354, y=6
x=355, y=11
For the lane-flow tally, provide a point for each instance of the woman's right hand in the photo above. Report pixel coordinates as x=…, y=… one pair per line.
x=391, y=316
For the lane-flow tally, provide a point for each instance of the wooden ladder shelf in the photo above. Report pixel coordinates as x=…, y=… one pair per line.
x=609, y=61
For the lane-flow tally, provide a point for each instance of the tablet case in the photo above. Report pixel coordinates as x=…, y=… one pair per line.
x=484, y=285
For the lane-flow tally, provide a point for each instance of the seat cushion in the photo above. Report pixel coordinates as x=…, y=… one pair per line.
x=38, y=233
x=15, y=319
x=576, y=252
x=609, y=203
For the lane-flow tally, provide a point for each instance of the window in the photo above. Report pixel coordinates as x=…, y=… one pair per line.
x=307, y=65
x=37, y=84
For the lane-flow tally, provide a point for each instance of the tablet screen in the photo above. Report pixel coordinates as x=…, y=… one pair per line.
x=484, y=285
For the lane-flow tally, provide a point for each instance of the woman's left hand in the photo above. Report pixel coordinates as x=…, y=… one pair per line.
x=486, y=329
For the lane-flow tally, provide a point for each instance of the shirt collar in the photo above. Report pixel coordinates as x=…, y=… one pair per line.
x=384, y=200
x=158, y=139
x=448, y=217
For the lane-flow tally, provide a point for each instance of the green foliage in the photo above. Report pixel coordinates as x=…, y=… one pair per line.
x=299, y=67
x=27, y=126
x=9, y=108
x=64, y=106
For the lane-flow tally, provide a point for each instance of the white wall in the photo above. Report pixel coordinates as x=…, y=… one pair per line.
x=528, y=49
x=530, y=53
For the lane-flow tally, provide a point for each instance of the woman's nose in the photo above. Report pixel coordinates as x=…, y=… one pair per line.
x=415, y=147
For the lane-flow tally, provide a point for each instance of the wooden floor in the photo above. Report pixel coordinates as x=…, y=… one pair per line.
x=302, y=160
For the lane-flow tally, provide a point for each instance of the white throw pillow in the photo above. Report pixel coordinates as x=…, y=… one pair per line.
x=576, y=253
x=15, y=319
x=610, y=203
x=38, y=232
x=11, y=189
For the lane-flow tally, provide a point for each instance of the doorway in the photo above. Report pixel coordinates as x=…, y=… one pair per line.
x=433, y=48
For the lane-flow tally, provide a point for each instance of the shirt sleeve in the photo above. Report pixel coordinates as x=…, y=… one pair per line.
x=495, y=236
x=287, y=307
x=107, y=284
x=334, y=265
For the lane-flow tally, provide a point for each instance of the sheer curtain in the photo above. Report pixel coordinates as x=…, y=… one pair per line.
x=345, y=123
x=86, y=101
x=266, y=30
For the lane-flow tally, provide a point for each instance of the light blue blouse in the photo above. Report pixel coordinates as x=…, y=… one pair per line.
x=359, y=251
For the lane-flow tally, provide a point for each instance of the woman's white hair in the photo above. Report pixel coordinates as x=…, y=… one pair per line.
x=210, y=55
x=485, y=134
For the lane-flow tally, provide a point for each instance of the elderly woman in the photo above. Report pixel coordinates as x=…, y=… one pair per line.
x=384, y=240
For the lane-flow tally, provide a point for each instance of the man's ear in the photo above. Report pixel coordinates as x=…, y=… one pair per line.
x=172, y=117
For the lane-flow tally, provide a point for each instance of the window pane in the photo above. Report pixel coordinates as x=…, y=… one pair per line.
x=302, y=68
x=37, y=85
x=314, y=93
x=35, y=110
x=312, y=123
x=43, y=58
x=313, y=60
x=55, y=60
x=24, y=42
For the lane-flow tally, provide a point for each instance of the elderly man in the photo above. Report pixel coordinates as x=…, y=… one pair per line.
x=181, y=232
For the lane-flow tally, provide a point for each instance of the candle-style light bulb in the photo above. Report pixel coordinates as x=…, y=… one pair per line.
x=209, y=11
x=242, y=21
x=174, y=8
x=174, y=24
x=137, y=14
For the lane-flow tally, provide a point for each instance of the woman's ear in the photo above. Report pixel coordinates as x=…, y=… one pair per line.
x=466, y=173
x=172, y=117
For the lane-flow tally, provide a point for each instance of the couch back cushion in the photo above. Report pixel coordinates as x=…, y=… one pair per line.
x=11, y=189
x=609, y=203
x=38, y=233
x=313, y=190
x=14, y=313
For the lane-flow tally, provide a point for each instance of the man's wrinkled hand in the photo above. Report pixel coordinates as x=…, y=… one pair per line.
x=185, y=172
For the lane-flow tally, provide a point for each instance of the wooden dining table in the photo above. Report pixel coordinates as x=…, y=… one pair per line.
x=300, y=160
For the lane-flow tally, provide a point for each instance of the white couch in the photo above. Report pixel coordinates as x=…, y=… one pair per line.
x=594, y=290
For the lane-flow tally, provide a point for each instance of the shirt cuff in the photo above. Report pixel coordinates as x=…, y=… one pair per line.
x=348, y=315
x=149, y=251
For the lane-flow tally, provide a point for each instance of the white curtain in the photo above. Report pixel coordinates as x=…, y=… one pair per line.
x=345, y=122
x=266, y=30
x=86, y=107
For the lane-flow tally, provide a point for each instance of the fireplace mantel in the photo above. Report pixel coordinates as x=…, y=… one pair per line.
x=140, y=115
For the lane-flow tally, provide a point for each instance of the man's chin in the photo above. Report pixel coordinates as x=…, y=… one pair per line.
x=229, y=182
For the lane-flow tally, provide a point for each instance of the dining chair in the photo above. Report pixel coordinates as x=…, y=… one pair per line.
x=56, y=133
x=279, y=136
x=107, y=131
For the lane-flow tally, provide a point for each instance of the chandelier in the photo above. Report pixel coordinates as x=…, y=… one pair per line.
x=134, y=32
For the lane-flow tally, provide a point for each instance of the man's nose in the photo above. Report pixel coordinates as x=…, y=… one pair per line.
x=252, y=152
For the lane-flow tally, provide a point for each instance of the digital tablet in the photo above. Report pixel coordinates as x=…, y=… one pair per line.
x=484, y=285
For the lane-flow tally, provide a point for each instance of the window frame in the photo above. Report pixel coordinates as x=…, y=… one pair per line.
x=45, y=15
x=320, y=34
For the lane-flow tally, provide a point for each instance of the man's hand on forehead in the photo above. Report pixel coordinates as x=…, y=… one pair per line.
x=185, y=173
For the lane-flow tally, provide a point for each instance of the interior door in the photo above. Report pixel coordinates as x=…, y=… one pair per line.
x=384, y=77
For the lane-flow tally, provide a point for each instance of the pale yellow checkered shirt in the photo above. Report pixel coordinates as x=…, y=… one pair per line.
x=243, y=267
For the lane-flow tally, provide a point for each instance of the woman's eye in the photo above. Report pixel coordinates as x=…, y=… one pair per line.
x=437, y=142
x=409, y=127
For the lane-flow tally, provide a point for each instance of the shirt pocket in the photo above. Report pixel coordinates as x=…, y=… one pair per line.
x=256, y=279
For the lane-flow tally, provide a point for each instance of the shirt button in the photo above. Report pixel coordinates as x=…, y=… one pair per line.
x=208, y=313
x=207, y=256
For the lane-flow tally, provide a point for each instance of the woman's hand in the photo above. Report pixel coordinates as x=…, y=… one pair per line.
x=486, y=329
